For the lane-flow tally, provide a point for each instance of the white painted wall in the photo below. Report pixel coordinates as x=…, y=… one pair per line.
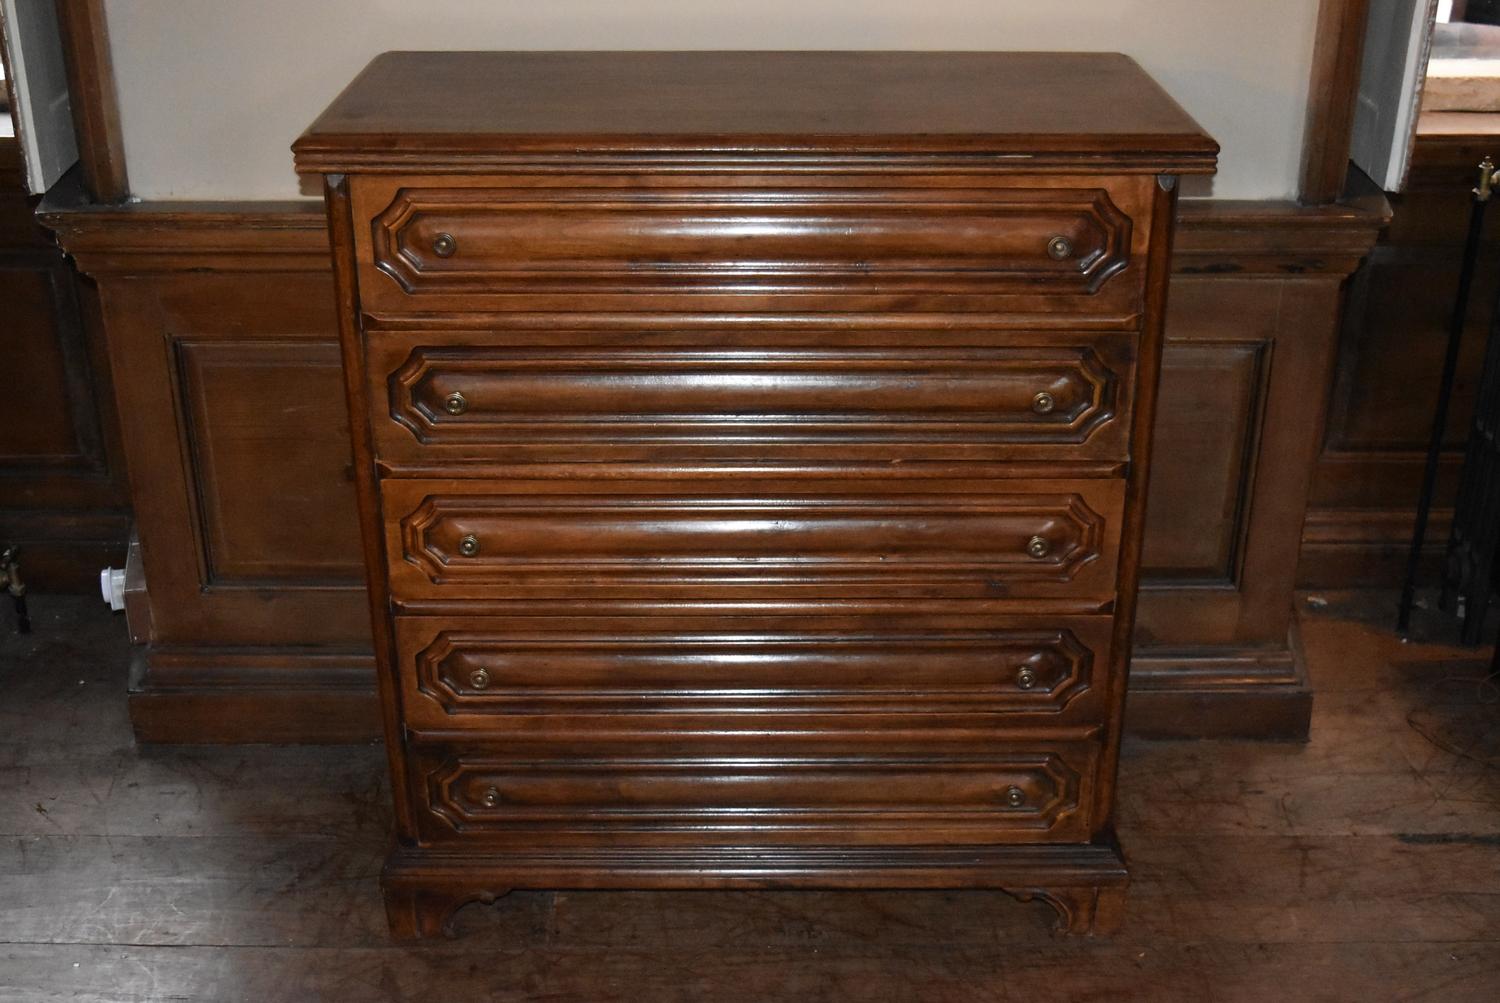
x=213, y=92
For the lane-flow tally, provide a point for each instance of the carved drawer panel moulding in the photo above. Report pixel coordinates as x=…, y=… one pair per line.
x=1044, y=244
x=537, y=239
x=471, y=673
x=1048, y=540
x=486, y=395
x=1015, y=796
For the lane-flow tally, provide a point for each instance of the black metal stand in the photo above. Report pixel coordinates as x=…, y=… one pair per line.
x=1469, y=570
x=10, y=581
x=1445, y=395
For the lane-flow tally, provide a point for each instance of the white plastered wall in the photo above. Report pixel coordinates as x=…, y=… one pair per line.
x=213, y=92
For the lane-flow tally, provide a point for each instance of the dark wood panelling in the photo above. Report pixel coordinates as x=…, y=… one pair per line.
x=1200, y=482
x=147, y=321
x=261, y=657
x=1252, y=309
x=40, y=427
x=203, y=694
x=1390, y=360
x=1256, y=297
x=62, y=497
x=249, y=405
x=1388, y=374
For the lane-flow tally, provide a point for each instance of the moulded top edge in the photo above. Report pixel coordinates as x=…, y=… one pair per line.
x=453, y=107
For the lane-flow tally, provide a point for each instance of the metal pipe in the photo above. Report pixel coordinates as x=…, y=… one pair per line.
x=1481, y=193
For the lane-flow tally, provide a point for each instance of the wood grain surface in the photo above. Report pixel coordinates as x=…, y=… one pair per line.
x=740, y=193
x=1251, y=332
x=722, y=101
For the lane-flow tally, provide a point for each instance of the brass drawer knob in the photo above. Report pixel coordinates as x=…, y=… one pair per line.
x=1015, y=797
x=444, y=246
x=1038, y=547
x=1026, y=679
x=1060, y=248
x=1044, y=403
x=491, y=797
x=469, y=545
x=455, y=403
x=479, y=679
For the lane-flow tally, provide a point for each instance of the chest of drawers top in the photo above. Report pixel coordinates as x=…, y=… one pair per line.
x=1025, y=111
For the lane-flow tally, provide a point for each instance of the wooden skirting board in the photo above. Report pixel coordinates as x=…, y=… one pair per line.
x=221, y=333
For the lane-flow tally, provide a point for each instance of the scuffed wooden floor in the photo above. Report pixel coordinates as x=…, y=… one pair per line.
x=1363, y=866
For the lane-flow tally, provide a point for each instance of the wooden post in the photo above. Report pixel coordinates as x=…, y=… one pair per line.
x=1332, y=95
x=91, y=89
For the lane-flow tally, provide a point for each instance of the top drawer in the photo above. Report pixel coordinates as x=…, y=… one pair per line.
x=516, y=243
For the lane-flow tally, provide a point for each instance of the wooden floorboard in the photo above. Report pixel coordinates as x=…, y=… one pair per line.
x=166, y=891
x=1207, y=973
x=1363, y=865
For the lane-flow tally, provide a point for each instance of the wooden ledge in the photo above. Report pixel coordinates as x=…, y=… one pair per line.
x=145, y=237
x=1219, y=237
x=1214, y=237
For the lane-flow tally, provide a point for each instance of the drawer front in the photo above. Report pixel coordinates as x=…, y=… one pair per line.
x=478, y=674
x=489, y=395
x=433, y=238
x=691, y=541
x=1023, y=793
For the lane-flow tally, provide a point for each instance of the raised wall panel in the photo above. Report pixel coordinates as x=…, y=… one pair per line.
x=264, y=485
x=1385, y=390
x=1391, y=358
x=1207, y=532
x=1202, y=474
x=38, y=420
x=62, y=497
x=1239, y=430
x=204, y=363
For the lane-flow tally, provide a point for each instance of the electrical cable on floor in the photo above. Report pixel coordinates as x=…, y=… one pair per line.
x=1487, y=694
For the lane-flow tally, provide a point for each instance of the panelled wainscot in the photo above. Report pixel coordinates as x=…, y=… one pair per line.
x=751, y=451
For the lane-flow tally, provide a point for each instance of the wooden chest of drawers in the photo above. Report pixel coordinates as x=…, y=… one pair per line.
x=751, y=450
